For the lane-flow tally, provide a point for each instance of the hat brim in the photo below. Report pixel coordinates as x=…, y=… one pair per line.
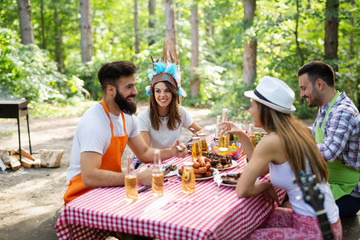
x=250, y=94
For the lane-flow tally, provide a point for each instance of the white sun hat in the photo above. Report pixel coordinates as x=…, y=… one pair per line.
x=275, y=94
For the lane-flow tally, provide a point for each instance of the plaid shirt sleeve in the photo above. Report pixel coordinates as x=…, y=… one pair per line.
x=336, y=134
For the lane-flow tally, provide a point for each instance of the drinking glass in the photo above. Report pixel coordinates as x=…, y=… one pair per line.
x=188, y=178
x=195, y=149
x=131, y=181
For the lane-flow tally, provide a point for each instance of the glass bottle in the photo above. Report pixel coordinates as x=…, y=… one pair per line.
x=225, y=115
x=224, y=139
x=251, y=134
x=188, y=178
x=131, y=181
x=217, y=131
x=157, y=176
x=203, y=143
x=195, y=149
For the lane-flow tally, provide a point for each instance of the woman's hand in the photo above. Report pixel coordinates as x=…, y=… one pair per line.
x=230, y=128
x=270, y=196
x=179, y=149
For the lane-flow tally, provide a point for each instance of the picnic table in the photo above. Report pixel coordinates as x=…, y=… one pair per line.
x=199, y=216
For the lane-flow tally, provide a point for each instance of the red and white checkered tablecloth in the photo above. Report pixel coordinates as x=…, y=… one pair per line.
x=198, y=216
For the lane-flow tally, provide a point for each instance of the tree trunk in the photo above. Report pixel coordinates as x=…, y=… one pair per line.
x=26, y=29
x=298, y=49
x=58, y=39
x=208, y=22
x=351, y=43
x=136, y=26
x=86, y=31
x=151, y=21
x=43, y=39
x=170, y=30
x=331, y=29
x=195, y=79
x=250, y=47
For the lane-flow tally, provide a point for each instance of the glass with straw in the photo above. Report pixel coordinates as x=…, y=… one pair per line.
x=131, y=181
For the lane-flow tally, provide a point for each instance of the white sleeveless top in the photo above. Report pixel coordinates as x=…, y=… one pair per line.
x=282, y=176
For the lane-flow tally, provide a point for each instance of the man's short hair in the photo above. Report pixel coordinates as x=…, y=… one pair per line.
x=316, y=70
x=111, y=72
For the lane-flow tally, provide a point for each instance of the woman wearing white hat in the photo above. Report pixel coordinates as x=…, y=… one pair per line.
x=288, y=148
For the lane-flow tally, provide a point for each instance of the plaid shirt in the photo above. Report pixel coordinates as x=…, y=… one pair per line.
x=341, y=133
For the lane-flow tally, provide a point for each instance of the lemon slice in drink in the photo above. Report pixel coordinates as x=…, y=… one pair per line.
x=186, y=175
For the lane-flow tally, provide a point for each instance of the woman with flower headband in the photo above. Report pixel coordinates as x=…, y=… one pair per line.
x=288, y=148
x=161, y=124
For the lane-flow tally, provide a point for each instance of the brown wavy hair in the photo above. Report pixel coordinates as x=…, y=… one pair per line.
x=297, y=141
x=174, y=113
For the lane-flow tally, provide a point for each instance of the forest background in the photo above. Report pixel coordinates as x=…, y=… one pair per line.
x=51, y=50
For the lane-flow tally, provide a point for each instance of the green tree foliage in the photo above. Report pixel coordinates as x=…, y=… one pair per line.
x=222, y=36
x=28, y=72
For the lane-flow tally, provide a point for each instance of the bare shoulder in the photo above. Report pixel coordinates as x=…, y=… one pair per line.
x=271, y=147
x=269, y=144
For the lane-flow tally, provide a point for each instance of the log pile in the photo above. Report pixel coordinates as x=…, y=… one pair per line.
x=10, y=159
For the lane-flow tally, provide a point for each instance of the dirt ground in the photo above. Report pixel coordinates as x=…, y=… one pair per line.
x=32, y=199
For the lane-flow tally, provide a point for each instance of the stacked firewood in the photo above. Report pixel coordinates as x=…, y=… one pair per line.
x=11, y=159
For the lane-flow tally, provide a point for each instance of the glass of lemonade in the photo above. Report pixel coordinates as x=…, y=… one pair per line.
x=224, y=141
x=157, y=176
x=188, y=178
x=203, y=143
x=195, y=149
x=131, y=181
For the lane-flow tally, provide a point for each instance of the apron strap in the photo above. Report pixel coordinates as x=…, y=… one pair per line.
x=319, y=132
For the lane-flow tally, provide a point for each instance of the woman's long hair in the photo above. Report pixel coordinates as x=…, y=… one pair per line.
x=174, y=113
x=297, y=141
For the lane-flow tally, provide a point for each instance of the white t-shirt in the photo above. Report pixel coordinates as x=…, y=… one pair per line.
x=163, y=137
x=93, y=134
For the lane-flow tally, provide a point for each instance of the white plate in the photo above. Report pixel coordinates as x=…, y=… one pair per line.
x=233, y=164
x=216, y=172
x=172, y=173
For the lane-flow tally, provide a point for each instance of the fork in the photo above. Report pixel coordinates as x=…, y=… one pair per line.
x=218, y=180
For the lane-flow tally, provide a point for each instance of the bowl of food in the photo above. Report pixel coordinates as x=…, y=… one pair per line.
x=235, y=149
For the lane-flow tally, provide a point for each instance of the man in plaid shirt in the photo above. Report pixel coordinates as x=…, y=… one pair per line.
x=337, y=133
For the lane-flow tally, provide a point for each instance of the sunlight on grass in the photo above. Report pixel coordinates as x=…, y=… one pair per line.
x=60, y=110
x=6, y=134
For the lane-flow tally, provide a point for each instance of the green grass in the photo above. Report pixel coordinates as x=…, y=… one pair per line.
x=6, y=134
x=60, y=110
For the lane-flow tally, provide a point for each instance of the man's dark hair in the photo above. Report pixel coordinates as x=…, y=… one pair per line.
x=111, y=72
x=316, y=70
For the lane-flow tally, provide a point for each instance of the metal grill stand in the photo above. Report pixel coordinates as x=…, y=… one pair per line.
x=16, y=109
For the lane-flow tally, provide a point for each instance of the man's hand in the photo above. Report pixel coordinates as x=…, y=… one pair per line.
x=179, y=149
x=145, y=177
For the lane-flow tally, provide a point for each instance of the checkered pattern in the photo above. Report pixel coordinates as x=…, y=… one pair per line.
x=174, y=216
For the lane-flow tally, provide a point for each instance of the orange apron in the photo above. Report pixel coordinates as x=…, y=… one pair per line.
x=110, y=161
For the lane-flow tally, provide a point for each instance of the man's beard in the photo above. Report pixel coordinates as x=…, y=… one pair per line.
x=315, y=100
x=124, y=105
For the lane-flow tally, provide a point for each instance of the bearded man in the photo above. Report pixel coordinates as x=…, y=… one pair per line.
x=103, y=132
x=337, y=133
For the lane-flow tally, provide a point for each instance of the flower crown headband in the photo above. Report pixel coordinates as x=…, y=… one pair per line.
x=164, y=71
